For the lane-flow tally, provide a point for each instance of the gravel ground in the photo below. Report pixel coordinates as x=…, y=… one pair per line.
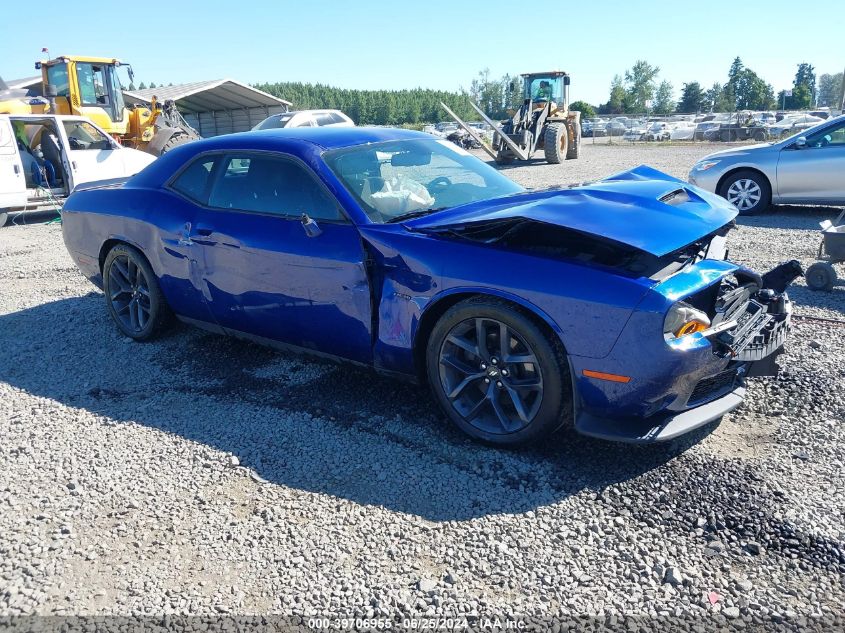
x=200, y=475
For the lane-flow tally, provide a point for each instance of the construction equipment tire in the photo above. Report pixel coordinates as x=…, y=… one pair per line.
x=555, y=143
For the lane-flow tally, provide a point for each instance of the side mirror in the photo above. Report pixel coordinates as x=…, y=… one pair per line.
x=800, y=143
x=312, y=229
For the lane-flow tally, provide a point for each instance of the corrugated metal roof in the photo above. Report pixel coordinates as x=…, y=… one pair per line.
x=23, y=84
x=209, y=96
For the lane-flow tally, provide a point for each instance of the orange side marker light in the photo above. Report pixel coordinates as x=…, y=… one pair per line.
x=589, y=373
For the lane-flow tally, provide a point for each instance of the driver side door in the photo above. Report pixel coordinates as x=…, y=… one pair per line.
x=814, y=173
x=92, y=154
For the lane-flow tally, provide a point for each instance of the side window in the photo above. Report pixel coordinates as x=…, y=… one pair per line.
x=267, y=184
x=336, y=118
x=83, y=135
x=324, y=118
x=193, y=182
x=831, y=136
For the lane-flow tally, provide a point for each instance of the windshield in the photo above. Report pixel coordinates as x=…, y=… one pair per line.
x=415, y=176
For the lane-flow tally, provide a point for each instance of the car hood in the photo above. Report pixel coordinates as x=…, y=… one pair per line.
x=738, y=151
x=642, y=208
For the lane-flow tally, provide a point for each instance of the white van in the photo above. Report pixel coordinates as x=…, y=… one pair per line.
x=44, y=156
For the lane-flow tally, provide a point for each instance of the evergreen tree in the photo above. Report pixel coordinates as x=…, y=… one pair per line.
x=693, y=99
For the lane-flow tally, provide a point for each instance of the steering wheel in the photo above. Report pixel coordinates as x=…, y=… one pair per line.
x=440, y=183
x=75, y=143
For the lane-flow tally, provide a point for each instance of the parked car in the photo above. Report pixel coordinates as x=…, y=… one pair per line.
x=593, y=127
x=792, y=124
x=658, y=131
x=682, y=131
x=306, y=118
x=634, y=134
x=615, y=128
x=524, y=311
x=806, y=168
x=44, y=156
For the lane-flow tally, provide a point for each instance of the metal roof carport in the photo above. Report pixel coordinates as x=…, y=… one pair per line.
x=215, y=107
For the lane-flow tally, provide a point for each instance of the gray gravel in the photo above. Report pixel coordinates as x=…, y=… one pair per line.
x=200, y=475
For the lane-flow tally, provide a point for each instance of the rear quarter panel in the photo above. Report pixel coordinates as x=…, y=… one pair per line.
x=151, y=220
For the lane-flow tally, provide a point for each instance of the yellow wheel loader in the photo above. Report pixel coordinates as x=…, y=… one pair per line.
x=89, y=87
x=543, y=122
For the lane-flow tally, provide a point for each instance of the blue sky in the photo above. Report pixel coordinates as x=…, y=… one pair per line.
x=435, y=44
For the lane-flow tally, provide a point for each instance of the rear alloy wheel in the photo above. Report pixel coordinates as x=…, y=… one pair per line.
x=134, y=299
x=497, y=375
x=820, y=276
x=748, y=191
x=555, y=143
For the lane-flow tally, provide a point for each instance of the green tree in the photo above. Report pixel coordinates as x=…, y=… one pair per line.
x=830, y=90
x=664, y=99
x=716, y=99
x=587, y=111
x=806, y=76
x=153, y=85
x=616, y=103
x=142, y=86
x=131, y=87
x=640, y=82
x=751, y=92
x=693, y=99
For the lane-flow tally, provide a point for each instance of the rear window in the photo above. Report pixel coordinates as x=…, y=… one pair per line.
x=194, y=181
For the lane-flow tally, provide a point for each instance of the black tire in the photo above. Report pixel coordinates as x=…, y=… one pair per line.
x=555, y=143
x=820, y=276
x=483, y=402
x=177, y=139
x=133, y=297
x=573, y=152
x=758, y=195
x=4, y=215
x=760, y=135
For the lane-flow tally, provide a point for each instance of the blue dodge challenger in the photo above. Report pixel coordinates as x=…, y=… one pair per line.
x=609, y=307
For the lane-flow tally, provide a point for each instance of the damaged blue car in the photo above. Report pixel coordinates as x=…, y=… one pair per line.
x=609, y=307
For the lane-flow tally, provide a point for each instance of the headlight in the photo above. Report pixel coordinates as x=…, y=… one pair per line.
x=683, y=320
x=705, y=165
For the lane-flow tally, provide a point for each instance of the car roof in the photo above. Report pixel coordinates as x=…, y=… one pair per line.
x=298, y=141
x=325, y=137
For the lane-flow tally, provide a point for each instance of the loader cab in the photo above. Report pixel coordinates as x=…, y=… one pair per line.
x=89, y=87
x=545, y=87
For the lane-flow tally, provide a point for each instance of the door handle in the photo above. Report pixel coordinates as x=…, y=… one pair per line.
x=204, y=231
x=17, y=169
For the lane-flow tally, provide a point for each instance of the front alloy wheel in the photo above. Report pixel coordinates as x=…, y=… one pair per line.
x=744, y=194
x=748, y=191
x=497, y=375
x=491, y=375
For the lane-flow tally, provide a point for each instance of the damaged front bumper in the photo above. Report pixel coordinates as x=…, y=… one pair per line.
x=750, y=325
